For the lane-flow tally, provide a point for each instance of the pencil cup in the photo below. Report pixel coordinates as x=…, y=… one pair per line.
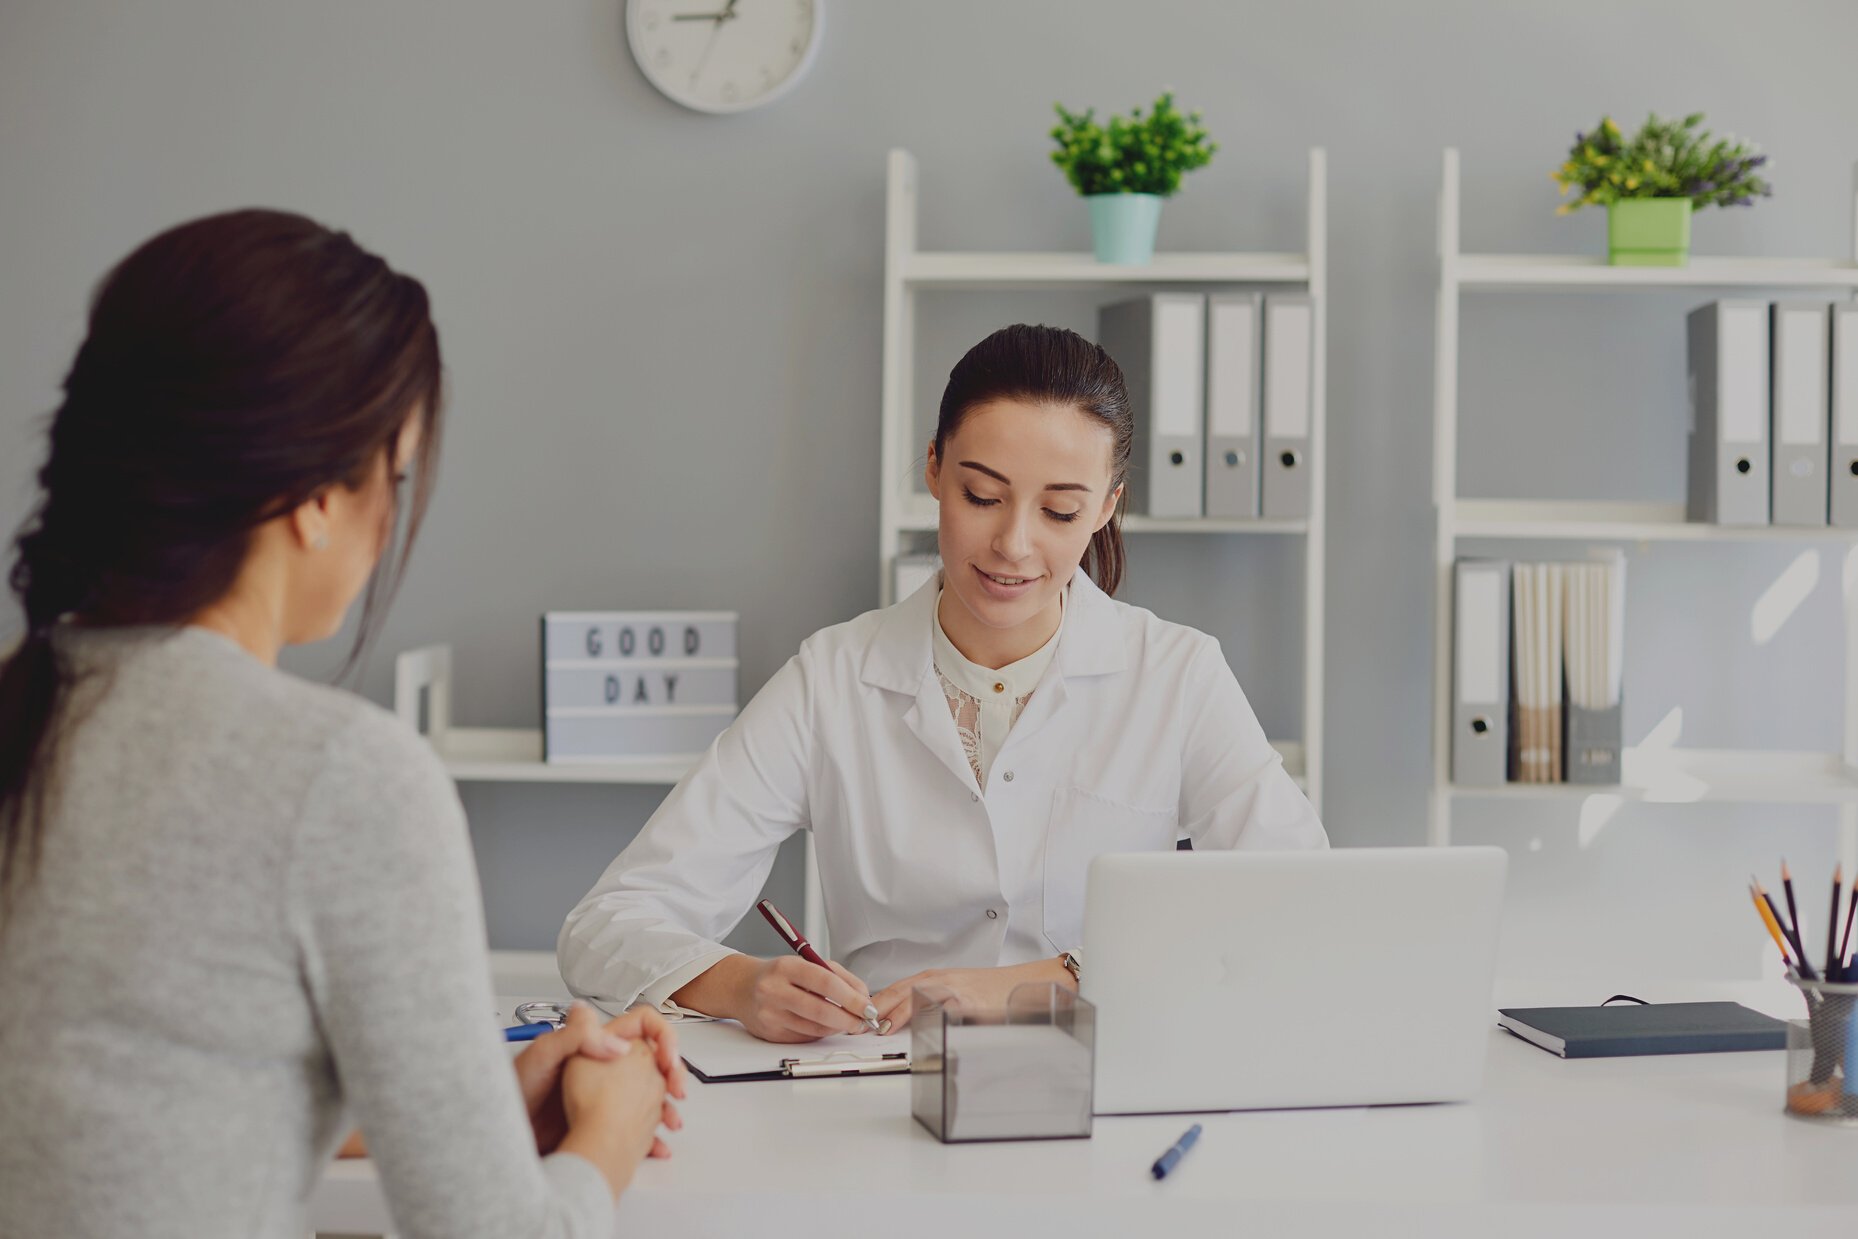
x=1019, y=1072
x=1822, y=1055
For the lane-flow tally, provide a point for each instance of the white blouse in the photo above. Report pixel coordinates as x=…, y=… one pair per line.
x=987, y=702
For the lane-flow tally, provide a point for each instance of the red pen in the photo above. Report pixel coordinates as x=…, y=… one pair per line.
x=804, y=949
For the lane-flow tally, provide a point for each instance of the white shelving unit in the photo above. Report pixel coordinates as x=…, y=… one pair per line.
x=905, y=512
x=1653, y=775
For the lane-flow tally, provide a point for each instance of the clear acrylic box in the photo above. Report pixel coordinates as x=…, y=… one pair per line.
x=1022, y=1072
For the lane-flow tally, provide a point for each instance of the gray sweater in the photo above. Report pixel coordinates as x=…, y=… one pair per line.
x=256, y=921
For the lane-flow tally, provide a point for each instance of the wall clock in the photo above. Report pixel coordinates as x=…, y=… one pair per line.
x=723, y=55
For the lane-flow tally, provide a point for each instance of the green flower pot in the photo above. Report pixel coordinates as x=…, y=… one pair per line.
x=1648, y=232
x=1122, y=227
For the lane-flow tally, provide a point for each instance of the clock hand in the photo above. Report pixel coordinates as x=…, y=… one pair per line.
x=728, y=14
x=708, y=47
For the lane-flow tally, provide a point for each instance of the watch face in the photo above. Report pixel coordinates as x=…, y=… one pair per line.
x=723, y=55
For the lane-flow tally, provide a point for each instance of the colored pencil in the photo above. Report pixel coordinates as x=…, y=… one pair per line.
x=1851, y=914
x=1800, y=961
x=1835, y=966
x=1774, y=929
x=1793, y=912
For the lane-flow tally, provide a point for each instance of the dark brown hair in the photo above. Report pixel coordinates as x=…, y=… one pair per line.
x=1049, y=365
x=233, y=367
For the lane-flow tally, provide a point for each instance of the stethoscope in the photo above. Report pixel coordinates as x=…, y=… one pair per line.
x=533, y=1019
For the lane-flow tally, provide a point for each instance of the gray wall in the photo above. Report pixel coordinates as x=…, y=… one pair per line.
x=663, y=336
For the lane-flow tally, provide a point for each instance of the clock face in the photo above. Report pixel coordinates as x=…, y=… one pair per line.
x=723, y=55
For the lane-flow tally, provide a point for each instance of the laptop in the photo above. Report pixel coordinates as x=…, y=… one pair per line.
x=1264, y=980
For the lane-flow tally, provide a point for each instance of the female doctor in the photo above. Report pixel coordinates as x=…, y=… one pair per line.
x=960, y=757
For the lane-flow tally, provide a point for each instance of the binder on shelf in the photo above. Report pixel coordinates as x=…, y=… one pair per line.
x=1798, y=368
x=1160, y=343
x=1594, y=639
x=1727, y=348
x=1289, y=331
x=1535, y=728
x=1844, y=471
x=1481, y=672
x=1232, y=390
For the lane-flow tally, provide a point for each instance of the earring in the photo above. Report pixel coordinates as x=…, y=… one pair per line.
x=320, y=543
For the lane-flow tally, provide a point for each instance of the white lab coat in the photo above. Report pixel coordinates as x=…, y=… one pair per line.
x=1137, y=733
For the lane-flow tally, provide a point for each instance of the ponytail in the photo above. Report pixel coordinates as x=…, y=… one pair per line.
x=34, y=682
x=1103, y=558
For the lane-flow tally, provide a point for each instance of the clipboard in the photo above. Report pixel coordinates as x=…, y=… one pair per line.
x=723, y=1052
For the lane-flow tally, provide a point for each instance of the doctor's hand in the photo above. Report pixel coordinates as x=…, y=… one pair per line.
x=785, y=999
x=975, y=989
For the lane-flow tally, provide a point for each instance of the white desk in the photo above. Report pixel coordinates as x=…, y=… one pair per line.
x=1671, y=1146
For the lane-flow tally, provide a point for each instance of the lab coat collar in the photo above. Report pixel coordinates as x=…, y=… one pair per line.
x=901, y=656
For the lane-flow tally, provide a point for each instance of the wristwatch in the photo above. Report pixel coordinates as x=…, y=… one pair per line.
x=1073, y=962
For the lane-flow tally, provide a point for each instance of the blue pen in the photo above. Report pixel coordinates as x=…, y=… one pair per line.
x=1168, y=1160
x=527, y=1032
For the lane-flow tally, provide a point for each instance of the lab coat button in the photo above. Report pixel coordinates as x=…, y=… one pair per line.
x=1008, y=776
x=993, y=914
x=974, y=795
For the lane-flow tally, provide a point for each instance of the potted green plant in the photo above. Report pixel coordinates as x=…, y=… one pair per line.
x=1652, y=182
x=1125, y=167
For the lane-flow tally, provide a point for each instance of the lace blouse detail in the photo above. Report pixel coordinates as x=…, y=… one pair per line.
x=985, y=702
x=967, y=714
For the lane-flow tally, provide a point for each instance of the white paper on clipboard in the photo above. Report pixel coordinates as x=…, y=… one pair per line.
x=722, y=1050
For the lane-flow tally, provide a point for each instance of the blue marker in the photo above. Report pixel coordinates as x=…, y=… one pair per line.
x=1167, y=1161
x=527, y=1032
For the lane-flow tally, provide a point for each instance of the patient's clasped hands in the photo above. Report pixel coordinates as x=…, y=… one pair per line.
x=603, y=1089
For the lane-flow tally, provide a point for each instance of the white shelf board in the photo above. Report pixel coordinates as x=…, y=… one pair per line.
x=1520, y=271
x=919, y=516
x=1616, y=522
x=514, y=755
x=1686, y=776
x=997, y=270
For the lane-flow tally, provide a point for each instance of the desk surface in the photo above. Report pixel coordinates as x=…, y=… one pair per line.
x=1692, y=1144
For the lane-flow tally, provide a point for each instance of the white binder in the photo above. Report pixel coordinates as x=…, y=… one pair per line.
x=1844, y=470
x=1160, y=343
x=1289, y=330
x=1727, y=347
x=1481, y=673
x=1232, y=389
x=1800, y=412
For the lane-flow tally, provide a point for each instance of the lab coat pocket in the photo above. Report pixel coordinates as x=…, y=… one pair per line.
x=1083, y=827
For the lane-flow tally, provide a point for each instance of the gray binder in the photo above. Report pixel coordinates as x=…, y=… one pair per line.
x=1480, y=672
x=1800, y=412
x=1289, y=330
x=1593, y=745
x=1160, y=343
x=1232, y=389
x=1728, y=369
x=1845, y=416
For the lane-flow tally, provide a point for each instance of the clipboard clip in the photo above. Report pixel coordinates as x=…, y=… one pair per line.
x=845, y=1064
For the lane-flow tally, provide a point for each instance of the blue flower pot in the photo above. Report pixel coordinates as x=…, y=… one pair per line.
x=1122, y=226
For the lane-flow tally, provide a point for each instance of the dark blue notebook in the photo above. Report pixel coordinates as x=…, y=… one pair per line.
x=1653, y=1028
